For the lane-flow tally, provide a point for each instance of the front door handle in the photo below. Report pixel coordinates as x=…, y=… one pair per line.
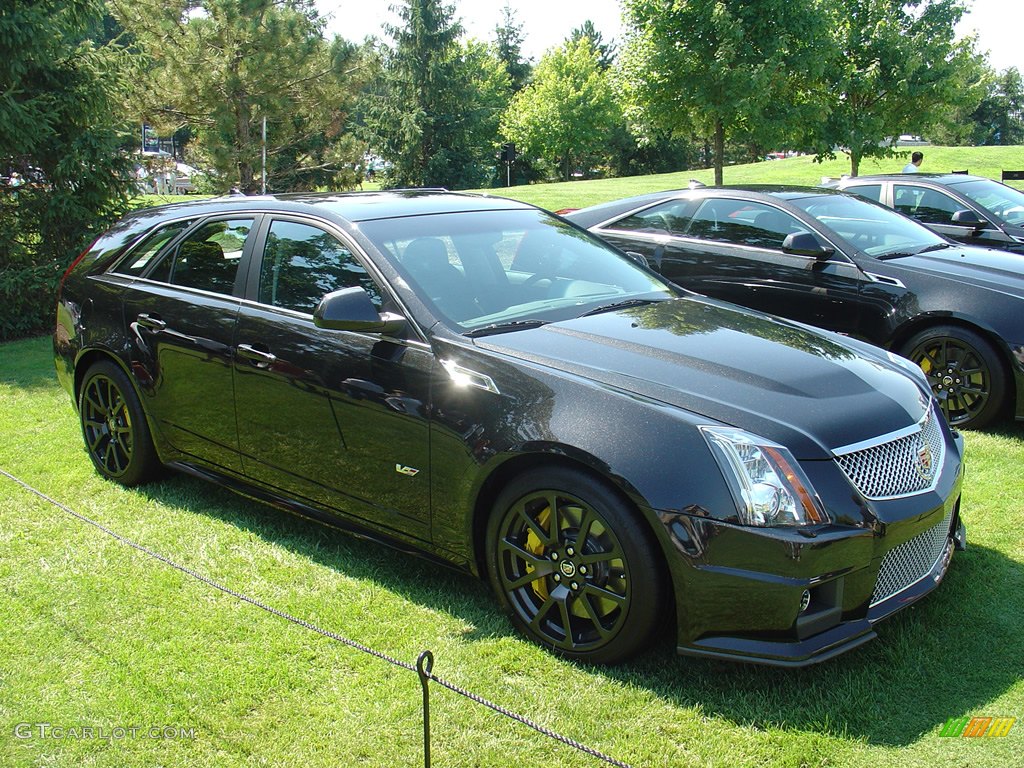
x=261, y=358
x=151, y=322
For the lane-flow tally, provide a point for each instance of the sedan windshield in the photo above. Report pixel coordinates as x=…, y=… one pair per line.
x=494, y=271
x=1003, y=202
x=870, y=228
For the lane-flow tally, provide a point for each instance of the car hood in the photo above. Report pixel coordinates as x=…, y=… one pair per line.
x=999, y=270
x=807, y=390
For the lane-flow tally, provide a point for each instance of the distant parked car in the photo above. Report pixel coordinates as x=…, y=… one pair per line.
x=479, y=381
x=840, y=262
x=970, y=209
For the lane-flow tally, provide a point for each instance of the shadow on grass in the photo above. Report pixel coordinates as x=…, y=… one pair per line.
x=949, y=655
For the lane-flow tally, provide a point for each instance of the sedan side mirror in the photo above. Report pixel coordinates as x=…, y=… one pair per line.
x=968, y=218
x=805, y=244
x=351, y=309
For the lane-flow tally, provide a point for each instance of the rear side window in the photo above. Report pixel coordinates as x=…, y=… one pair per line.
x=869, y=191
x=142, y=255
x=671, y=217
x=208, y=258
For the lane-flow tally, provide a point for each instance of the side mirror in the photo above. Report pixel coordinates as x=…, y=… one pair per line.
x=351, y=309
x=967, y=218
x=805, y=244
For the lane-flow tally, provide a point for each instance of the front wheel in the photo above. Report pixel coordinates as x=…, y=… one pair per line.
x=965, y=372
x=574, y=565
x=114, y=427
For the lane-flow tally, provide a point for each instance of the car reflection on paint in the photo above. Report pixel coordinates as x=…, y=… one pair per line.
x=485, y=384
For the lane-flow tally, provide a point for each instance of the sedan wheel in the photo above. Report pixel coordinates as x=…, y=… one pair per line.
x=964, y=371
x=574, y=566
x=114, y=427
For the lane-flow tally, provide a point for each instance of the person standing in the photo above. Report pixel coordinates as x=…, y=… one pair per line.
x=915, y=163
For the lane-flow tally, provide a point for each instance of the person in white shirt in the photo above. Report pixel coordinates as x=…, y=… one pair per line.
x=915, y=163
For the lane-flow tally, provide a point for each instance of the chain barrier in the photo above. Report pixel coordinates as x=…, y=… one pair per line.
x=423, y=666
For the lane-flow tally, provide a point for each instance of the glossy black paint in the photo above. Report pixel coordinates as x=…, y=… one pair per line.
x=409, y=436
x=884, y=301
x=983, y=226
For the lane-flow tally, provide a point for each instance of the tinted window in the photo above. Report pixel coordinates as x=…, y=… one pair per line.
x=926, y=205
x=207, y=259
x=671, y=217
x=302, y=263
x=743, y=223
x=142, y=255
x=868, y=191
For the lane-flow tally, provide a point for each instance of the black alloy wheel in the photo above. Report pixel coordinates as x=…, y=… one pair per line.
x=965, y=372
x=114, y=427
x=575, y=566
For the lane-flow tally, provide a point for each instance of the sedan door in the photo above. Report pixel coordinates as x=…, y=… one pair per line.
x=935, y=209
x=732, y=249
x=339, y=418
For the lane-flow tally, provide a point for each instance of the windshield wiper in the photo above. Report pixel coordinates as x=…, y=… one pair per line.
x=619, y=305
x=506, y=327
x=907, y=254
x=935, y=247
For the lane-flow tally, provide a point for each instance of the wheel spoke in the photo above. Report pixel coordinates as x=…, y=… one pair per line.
x=595, y=620
x=533, y=525
x=554, y=519
x=606, y=594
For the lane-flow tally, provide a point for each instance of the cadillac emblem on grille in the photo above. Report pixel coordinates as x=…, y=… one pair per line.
x=925, y=466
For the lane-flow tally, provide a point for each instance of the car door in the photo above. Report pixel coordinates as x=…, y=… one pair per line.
x=181, y=311
x=732, y=249
x=339, y=418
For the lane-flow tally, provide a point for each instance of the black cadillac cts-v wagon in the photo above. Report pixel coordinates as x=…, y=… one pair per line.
x=486, y=384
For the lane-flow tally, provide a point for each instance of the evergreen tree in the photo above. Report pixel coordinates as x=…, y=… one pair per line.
x=62, y=174
x=509, y=42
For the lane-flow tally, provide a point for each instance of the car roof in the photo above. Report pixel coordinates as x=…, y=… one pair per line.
x=938, y=178
x=596, y=214
x=350, y=206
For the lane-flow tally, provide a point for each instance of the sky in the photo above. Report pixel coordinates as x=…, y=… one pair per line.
x=547, y=23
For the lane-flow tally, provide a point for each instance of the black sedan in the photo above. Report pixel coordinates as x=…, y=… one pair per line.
x=488, y=385
x=970, y=209
x=839, y=262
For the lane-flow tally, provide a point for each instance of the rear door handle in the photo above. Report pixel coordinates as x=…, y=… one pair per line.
x=261, y=358
x=152, y=322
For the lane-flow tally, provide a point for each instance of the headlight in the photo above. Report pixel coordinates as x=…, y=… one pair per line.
x=768, y=485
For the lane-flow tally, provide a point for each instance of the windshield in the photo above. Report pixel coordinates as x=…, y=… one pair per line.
x=868, y=227
x=1003, y=202
x=509, y=269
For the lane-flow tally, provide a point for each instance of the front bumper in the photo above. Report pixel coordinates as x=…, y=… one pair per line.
x=792, y=598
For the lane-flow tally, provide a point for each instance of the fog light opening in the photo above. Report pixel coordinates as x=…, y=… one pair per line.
x=805, y=601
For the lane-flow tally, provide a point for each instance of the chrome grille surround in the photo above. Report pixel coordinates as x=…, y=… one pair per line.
x=902, y=463
x=906, y=564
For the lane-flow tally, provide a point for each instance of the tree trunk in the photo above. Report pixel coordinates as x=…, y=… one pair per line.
x=854, y=162
x=719, y=150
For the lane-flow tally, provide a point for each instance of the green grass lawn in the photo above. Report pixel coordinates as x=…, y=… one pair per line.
x=980, y=161
x=95, y=634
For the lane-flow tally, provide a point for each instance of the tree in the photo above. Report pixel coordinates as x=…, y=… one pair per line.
x=62, y=175
x=223, y=66
x=567, y=112
x=898, y=69
x=605, y=51
x=435, y=113
x=999, y=118
x=725, y=69
x=508, y=39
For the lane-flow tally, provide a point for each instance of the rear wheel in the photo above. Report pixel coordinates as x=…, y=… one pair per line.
x=965, y=372
x=574, y=565
x=114, y=427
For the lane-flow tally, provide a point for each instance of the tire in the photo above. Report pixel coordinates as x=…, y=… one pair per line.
x=586, y=581
x=114, y=427
x=965, y=372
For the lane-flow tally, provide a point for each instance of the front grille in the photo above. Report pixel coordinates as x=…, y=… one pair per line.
x=907, y=464
x=906, y=564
